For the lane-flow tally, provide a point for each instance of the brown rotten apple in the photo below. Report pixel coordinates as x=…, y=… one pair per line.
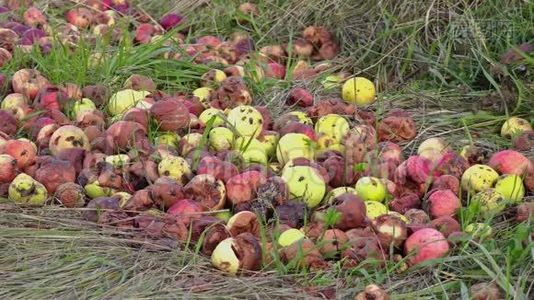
x=165, y=192
x=242, y=252
x=8, y=123
x=242, y=187
x=244, y=221
x=54, y=172
x=171, y=114
x=125, y=135
x=70, y=195
x=352, y=210
x=28, y=82
x=206, y=190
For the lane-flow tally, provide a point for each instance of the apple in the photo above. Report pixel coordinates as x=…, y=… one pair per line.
x=371, y=189
x=123, y=100
x=26, y=190
x=247, y=120
x=305, y=183
x=359, y=90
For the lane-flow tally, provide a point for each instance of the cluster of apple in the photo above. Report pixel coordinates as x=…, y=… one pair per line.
x=325, y=182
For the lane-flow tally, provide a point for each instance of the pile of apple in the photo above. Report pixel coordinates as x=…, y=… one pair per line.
x=325, y=182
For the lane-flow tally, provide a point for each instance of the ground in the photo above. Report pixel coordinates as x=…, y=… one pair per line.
x=439, y=60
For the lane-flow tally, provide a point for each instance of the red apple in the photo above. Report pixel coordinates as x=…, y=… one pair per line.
x=425, y=244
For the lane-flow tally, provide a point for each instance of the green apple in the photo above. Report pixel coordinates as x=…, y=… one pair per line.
x=359, y=90
x=175, y=167
x=94, y=190
x=290, y=236
x=302, y=117
x=221, y=138
x=203, y=94
x=490, y=201
x=269, y=142
x=252, y=149
x=479, y=231
x=511, y=188
x=293, y=145
x=118, y=161
x=123, y=100
x=332, y=82
x=305, y=183
x=332, y=125
x=170, y=139
x=247, y=120
x=26, y=190
x=375, y=209
x=211, y=112
x=81, y=106
x=478, y=178
x=371, y=189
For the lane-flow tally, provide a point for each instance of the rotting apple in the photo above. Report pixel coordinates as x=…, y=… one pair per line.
x=514, y=126
x=24, y=152
x=8, y=165
x=478, y=178
x=28, y=82
x=242, y=252
x=243, y=221
x=242, y=187
x=443, y=203
x=26, y=190
x=175, y=167
x=66, y=137
x=510, y=162
x=207, y=190
x=70, y=195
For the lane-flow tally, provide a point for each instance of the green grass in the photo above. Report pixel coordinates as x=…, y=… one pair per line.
x=438, y=60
